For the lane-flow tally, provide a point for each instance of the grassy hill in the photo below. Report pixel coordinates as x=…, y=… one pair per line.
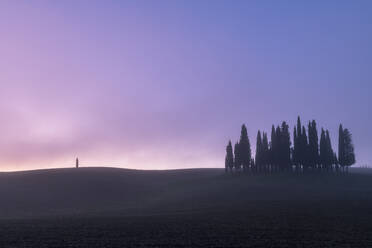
x=108, y=207
x=136, y=192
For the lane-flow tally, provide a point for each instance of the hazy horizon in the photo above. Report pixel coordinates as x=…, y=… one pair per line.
x=165, y=85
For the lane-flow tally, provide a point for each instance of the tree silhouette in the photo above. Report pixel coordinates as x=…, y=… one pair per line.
x=313, y=145
x=273, y=149
x=77, y=163
x=330, y=153
x=341, y=156
x=265, y=152
x=323, y=149
x=335, y=161
x=278, y=154
x=245, y=148
x=304, y=158
x=229, y=159
x=301, y=150
x=300, y=146
x=295, y=159
x=259, y=152
x=237, y=160
x=348, y=149
x=226, y=164
x=284, y=147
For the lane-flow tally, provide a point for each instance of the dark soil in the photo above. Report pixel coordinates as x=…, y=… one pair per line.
x=186, y=208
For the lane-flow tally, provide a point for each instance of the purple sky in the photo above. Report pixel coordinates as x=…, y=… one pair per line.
x=165, y=84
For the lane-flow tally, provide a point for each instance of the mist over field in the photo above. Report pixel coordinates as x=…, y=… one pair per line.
x=176, y=123
x=96, y=207
x=164, y=84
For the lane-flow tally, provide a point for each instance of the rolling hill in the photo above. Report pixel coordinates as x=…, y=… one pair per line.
x=109, y=207
x=113, y=191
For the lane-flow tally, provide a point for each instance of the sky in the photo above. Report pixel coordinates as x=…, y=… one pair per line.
x=165, y=84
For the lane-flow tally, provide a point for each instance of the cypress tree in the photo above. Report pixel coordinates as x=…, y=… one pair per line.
x=277, y=148
x=348, y=151
x=313, y=144
x=229, y=159
x=300, y=143
x=258, y=157
x=226, y=163
x=299, y=126
x=329, y=155
x=341, y=157
x=272, y=148
x=237, y=161
x=279, y=155
x=295, y=149
x=304, y=149
x=323, y=149
x=335, y=160
x=285, y=145
x=245, y=148
x=265, y=151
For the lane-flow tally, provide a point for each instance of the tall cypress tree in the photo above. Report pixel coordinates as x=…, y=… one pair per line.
x=272, y=149
x=329, y=157
x=313, y=144
x=335, y=160
x=295, y=149
x=301, y=144
x=278, y=154
x=245, y=148
x=265, y=151
x=341, y=156
x=229, y=159
x=348, y=151
x=237, y=160
x=304, y=149
x=323, y=149
x=299, y=126
x=285, y=146
x=226, y=164
x=346, y=155
x=258, y=157
x=277, y=148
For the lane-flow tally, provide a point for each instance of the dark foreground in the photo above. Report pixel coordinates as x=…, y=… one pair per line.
x=194, y=208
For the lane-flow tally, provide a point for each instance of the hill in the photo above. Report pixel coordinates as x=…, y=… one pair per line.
x=95, y=190
x=113, y=191
x=108, y=207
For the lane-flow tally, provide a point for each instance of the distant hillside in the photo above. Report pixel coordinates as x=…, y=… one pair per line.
x=96, y=191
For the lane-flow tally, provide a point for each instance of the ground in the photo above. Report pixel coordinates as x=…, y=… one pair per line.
x=106, y=207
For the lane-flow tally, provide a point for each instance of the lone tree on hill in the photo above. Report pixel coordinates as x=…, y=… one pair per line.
x=77, y=163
